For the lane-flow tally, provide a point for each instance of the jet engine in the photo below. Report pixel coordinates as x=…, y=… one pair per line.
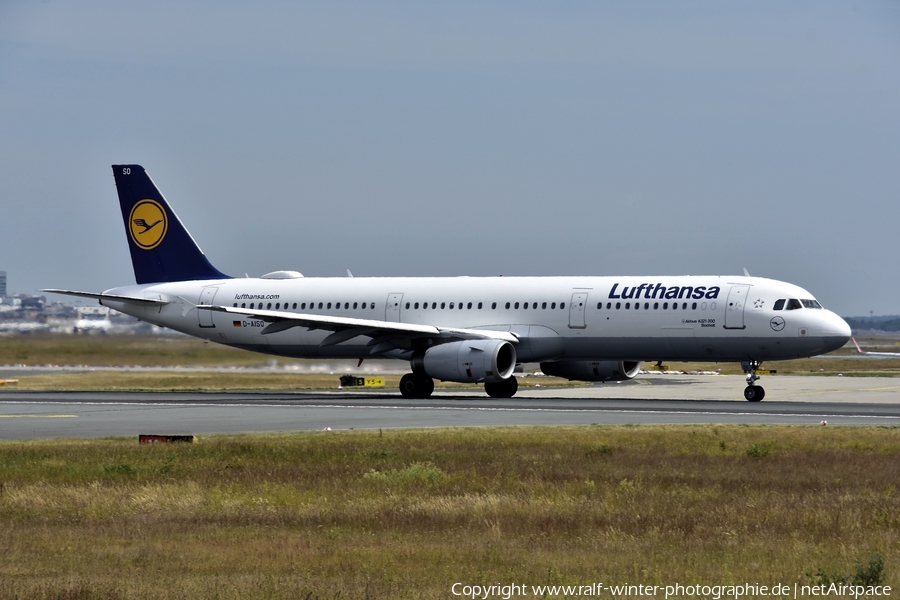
x=591, y=370
x=470, y=361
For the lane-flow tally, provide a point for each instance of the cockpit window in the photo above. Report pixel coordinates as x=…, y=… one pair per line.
x=811, y=304
x=793, y=304
x=779, y=304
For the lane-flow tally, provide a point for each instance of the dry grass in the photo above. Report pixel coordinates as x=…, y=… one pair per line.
x=122, y=350
x=407, y=513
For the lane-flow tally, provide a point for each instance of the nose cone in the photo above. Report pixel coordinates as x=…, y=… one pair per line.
x=835, y=331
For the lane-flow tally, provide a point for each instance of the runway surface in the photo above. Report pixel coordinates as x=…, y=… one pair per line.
x=790, y=400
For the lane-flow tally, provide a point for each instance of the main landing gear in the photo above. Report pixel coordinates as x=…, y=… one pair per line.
x=502, y=389
x=420, y=385
x=753, y=392
x=416, y=385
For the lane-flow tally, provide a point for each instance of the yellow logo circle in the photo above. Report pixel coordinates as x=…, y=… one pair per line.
x=147, y=224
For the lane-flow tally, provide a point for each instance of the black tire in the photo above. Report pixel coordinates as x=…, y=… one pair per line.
x=502, y=389
x=754, y=393
x=408, y=386
x=414, y=385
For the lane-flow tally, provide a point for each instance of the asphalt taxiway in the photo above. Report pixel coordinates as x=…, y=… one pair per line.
x=650, y=400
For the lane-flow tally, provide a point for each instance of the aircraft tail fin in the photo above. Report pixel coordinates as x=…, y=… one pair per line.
x=162, y=250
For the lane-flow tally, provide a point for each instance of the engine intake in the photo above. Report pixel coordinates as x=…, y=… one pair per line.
x=470, y=361
x=590, y=370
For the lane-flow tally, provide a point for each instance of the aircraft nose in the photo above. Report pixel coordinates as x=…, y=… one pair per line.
x=835, y=331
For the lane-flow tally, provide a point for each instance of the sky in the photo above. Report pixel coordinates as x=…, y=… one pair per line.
x=461, y=138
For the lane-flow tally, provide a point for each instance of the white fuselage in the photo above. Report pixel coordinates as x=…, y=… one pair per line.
x=555, y=318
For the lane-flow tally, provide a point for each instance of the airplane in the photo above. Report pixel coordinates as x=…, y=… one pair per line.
x=874, y=354
x=462, y=329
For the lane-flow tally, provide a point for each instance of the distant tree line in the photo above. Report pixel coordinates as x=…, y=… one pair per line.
x=886, y=323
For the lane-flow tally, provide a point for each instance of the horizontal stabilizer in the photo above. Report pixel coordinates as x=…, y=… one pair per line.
x=112, y=297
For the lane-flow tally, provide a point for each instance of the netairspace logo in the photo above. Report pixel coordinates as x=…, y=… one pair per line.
x=712, y=592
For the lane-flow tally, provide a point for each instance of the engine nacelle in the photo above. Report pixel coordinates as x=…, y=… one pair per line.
x=592, y=370
x=470, y=361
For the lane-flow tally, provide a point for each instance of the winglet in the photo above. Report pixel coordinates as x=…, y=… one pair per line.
x=162, y=250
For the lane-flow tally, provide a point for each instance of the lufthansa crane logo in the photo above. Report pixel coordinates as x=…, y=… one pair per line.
x=147, y=224
x=777, y=323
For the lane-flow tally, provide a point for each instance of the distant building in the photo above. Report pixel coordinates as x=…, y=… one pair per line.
x=2, y=284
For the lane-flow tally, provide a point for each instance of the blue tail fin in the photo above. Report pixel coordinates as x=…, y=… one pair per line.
x=162, y=250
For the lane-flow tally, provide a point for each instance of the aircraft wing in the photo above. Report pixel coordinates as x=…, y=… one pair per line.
x=386, y=335
x=114, y=297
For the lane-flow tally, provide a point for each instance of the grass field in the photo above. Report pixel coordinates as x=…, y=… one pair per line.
x=157, y=351
x=406, y=514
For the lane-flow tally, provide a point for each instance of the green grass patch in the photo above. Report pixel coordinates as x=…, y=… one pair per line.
x=407, y=513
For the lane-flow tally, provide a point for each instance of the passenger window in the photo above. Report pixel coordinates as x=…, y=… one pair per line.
x=516, y=305
x=684, y=306
x=329, y=305
x=618, y=305
x=627, y=305
x=251, y=305
x=346, y=306
x=303, y=306
x=694, y=306
x=234, y=305
x=320, y=306
x=494, y=305
x=793, y=304
x=665, y=306
x=407, y=305
x=646, y=305
x=243, y=305
x=553, y=305
x=479, y=306
x=655, y=305
x=562, y=304
x=461, y=305
x=295, y=306
x=469, y=305
x=507, y=306
x=443, y=304
x=363, y=305
x=277, y=305
x=451, y=305
x=543, y=305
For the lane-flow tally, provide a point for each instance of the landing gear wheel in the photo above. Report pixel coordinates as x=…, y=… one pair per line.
x=754, y=393
x=502, y=389
x=415, y=385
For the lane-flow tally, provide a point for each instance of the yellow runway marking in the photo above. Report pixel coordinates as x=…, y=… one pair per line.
x=38, y=416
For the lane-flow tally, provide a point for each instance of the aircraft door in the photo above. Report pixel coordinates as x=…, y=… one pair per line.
x=734, y=307
x=206, y=299
x=392, y=308
x=576, y=310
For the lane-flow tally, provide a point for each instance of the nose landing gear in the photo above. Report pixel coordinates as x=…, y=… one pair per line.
x=753, y=392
